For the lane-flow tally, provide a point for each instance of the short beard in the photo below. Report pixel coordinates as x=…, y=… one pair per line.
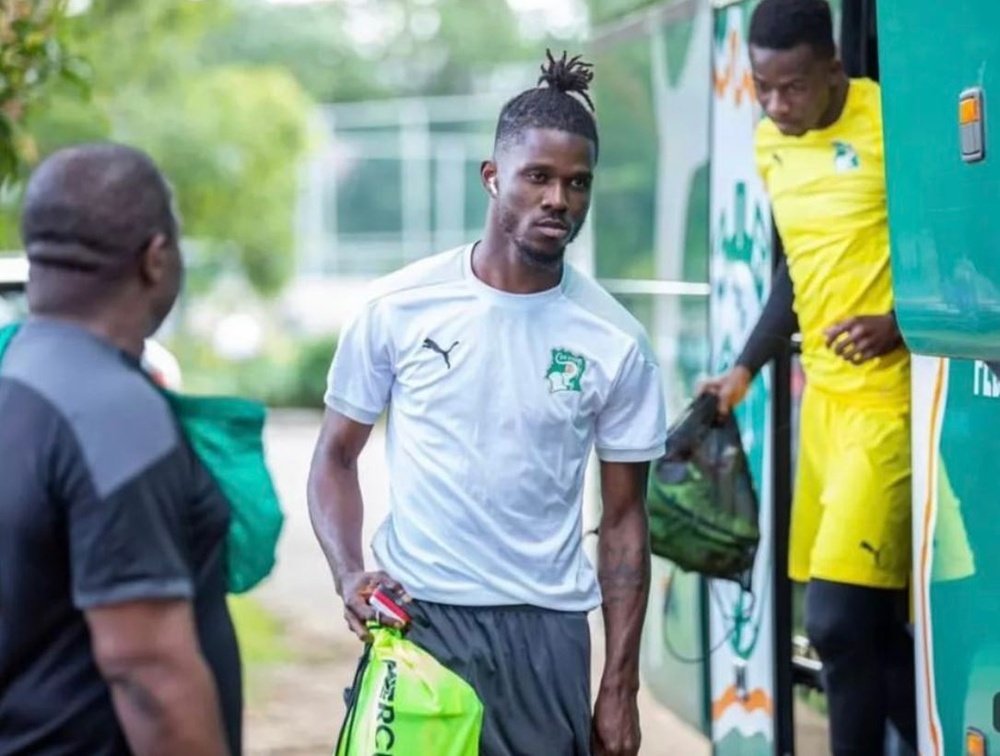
x=540, y=260
x=532, y=257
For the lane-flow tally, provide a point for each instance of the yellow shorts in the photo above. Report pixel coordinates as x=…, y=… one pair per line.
x=851, y=511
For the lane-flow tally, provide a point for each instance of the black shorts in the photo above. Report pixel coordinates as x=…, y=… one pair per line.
x=529, y=666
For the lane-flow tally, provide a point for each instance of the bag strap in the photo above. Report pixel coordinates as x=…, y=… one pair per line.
x=347, y=729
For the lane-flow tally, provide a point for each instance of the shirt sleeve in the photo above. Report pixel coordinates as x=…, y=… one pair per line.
x=877, y=128
x=362, y=373
x=776, y=325
x=131, y=543
x=632, y=426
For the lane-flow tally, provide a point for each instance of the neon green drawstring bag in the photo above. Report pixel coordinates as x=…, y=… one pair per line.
x=403, y=701
x=227, y=435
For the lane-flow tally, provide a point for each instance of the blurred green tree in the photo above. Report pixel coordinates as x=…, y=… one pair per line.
x=32, y=55
x=368, y=49
x=229, y=136
x=220, y=93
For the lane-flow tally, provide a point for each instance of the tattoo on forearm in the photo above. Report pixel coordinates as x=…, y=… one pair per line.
x=140, y=697
x=622, y=573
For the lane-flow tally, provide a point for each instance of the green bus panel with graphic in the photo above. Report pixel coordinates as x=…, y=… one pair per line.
x=945, y=227
x=962, y=584
x=946, y=274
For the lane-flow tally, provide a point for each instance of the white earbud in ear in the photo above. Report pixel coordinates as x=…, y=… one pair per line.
x=493, y=187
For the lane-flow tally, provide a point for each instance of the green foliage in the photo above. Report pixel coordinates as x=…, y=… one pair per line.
x=603, y=11
x=259, y=632
x=287, y=373
x=262, y=643
x=230, y=141
x=309, y=40
x=625, y=192
x=421, y=47
x=220, y=93
x=229, y=137
x=449, y=60
x=32, y=56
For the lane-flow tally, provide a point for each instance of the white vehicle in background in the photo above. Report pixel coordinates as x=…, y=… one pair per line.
x=157, y=360
x=13, y=276
x=161, y=365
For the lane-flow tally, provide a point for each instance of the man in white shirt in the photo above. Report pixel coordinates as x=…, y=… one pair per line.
x=501, y=368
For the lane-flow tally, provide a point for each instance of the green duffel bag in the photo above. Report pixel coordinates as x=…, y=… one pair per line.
x=703, y=509
x=227, y=435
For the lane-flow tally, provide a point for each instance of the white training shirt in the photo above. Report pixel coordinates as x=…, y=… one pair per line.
x=495, y=401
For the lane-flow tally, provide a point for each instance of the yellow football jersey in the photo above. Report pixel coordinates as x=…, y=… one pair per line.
x=827, y=192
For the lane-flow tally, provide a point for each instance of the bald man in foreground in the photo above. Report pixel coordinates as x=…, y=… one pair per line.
x=115, y=638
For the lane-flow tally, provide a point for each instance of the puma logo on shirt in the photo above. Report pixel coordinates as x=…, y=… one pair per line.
x=445, y=353
x=877, y=553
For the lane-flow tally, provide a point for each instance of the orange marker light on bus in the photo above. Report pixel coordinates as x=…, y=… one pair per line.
x=971, y=125
x=975, y=743
x=968, y=111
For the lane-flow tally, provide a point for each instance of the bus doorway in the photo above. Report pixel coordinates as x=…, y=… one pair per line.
x=801, y=722
x=765, y=684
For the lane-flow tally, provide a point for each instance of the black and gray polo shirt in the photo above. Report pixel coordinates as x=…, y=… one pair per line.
x=102, y=501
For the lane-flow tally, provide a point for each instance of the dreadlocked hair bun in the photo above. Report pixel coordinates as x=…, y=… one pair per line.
x=572, y=76
x=559, y=101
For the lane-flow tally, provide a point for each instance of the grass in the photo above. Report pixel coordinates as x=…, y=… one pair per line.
x=261, y=642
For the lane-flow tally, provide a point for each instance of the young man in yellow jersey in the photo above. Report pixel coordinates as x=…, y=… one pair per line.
x=820, y=153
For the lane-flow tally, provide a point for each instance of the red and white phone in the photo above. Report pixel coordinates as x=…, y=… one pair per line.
x=387, y=605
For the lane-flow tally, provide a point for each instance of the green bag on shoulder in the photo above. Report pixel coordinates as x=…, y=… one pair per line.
x=227, y=435
x=6, y=334
x=404, y=701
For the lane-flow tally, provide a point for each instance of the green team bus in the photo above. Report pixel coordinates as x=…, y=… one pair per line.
x=683, y=235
